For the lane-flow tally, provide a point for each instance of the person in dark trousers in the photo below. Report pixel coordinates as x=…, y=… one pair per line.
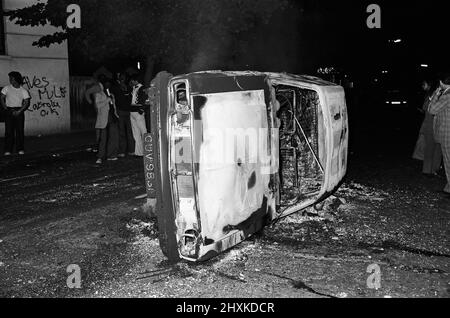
x=107, y=121
x=15, y=100
x=122, y=95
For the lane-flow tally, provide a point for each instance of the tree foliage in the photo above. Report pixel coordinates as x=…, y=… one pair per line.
x=179, y=32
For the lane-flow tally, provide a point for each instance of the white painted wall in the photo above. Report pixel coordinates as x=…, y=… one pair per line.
x=46, y=72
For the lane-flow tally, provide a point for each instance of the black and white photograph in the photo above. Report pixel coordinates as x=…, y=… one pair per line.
x=224, y=154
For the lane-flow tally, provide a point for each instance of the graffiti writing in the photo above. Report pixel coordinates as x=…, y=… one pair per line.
x=46, y=108
x=54, y=92
x=46, y=95
x=36, y=82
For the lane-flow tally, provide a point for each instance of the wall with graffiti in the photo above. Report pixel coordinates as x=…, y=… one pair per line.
x=46, y=75
x=48, y=84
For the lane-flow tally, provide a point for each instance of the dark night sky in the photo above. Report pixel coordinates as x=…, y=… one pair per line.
x=319, y=33
x=322, y=33
x=346, y=40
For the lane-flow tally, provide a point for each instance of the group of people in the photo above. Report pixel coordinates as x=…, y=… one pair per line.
x=14, y=100
x=120, y=124
x=435, y=131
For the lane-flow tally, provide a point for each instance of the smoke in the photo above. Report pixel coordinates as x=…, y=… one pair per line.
x=210, y=53
x=272, y=45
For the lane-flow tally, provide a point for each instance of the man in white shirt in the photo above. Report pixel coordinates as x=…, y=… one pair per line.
x=15, y=100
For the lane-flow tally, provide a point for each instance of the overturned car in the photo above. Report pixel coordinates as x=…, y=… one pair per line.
x=231, y=152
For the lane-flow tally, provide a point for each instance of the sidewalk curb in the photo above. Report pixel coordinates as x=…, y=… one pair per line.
x=47, y=153
x=64, y=143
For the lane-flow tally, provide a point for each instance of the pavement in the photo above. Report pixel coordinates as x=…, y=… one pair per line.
x=384, y=233
x=38, y=146
x=63, y=210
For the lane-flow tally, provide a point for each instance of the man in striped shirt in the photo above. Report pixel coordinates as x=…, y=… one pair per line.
x=440, y=107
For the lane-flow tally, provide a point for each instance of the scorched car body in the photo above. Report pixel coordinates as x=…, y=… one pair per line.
x=230, y=152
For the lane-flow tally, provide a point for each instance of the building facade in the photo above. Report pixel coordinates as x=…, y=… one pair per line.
x=45, y=70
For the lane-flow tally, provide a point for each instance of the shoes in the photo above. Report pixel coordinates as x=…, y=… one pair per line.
x=131, y=153
x=113, y=159
x=432, y=175
x=94, y=150
x=122, y=155
x=7, y=154
x=21, y=153
x=441, y=176
x=99, y=161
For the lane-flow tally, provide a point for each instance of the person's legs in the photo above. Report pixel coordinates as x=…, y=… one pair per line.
x=126, y=139
x=142, y=130
x=148, y=119
x=9, y=131
x=446, y=153
x=113, y=139
x=135, y=129
x=97, y=139
x=20, y=132
x=437, y=158
x=102, y=143
x=427, y=156
x=130, y=138
x=432, y=150
x=122, y=134
x=428, y=153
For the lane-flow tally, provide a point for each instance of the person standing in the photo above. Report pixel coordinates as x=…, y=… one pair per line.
x=107, y=122
x=440, y=107
x=432, y=154
x=137, y=117
x=15, y=100
x=122, y=97
x=113, y=126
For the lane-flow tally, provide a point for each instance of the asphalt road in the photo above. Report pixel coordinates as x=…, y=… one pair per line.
x=383, y=234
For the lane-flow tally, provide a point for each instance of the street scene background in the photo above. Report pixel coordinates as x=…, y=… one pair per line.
x=384, y=232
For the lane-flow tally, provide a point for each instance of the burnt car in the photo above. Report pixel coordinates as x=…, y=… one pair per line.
x=228, y=153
